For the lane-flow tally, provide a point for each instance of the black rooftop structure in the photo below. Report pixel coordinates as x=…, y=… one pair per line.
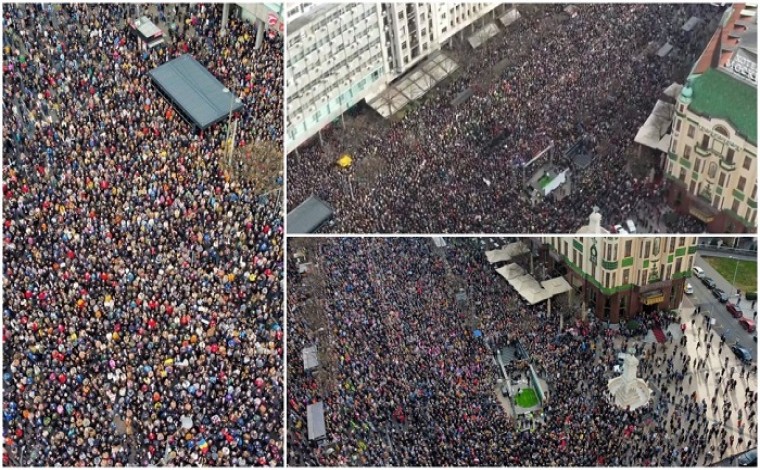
x=197, y=94
x=309, y=216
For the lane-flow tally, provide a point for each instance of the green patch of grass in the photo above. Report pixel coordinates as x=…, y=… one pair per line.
x=527, y=398
x=746, y=273
x=544, y=181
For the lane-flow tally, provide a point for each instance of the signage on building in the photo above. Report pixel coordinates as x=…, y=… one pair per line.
x=719, y=137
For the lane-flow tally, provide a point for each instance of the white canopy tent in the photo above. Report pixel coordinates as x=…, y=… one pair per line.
x=529, y=289
x=506, y=252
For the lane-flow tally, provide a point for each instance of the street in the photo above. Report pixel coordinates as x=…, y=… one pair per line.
x=724, y=321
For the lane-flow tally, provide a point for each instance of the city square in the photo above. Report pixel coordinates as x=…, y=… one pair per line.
x=511, y=352
x=520, y=118
x=142, y=264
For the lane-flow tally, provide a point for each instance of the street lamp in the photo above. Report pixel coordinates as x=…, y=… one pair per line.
x=233, y=100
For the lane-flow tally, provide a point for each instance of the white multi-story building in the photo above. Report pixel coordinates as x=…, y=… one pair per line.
x=342, y=53
x=413, y=30
x=335, y=58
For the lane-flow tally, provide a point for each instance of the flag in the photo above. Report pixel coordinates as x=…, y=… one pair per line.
x=203, y=445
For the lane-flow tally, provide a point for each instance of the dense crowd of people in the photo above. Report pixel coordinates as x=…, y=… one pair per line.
x=142, y=316
x=448, y=168
x=406, y=381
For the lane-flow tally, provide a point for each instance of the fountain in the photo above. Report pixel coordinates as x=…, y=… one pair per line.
x=629, y=391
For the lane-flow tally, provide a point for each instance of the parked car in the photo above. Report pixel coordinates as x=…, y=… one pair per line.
x=699, y=273
x=750, y=295
x=720, y=295
x=688, y=289
x=747, y=324
x=734, y=310
x=748, y=459
x=742, y=353
x=707, y=281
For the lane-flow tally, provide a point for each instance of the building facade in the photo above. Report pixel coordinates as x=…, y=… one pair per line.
x=340, y=54
x=712, y=158
x=619, y=278
x=414, y=30
x=335, y=59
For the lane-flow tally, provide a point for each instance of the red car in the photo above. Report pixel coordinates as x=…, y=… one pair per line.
x=747, y=324
x=735, y=310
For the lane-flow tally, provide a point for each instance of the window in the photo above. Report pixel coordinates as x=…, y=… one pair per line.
x=712, y=170
x=678, y=125
x=697, y=165
x=687, y=152
x=656, y=248
x=722, y=179
x=682, y=176
x=705, y=141
x=628, y=248
x=747, y=163
x=718, y=147
x=672, y=245
x=692, y=186
x=716, y=201
x=754, y=191
x=742, y=183
x=720, y=130
x=730, y=155
x=735, y=206
x=645, y=249
x=690, y=133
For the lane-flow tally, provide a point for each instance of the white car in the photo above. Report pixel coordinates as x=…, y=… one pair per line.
x=698, y=272
x=688, y=289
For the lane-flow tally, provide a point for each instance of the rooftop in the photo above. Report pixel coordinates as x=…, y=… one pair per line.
x=716, y=94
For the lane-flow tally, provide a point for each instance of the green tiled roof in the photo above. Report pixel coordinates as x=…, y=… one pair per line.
x=718, y=95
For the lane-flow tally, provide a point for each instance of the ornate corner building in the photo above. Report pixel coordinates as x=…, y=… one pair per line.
x=712, y=158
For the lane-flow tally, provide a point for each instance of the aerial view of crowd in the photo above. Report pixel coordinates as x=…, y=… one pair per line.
x=142, y=285
x=448, y=168
x=411, y=383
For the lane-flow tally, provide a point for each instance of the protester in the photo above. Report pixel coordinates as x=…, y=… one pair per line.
x=458, y=169
x=406, y=381
x=142, y=320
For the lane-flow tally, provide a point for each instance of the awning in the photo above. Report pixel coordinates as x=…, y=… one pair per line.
x=652, y=298
x=412, y=86
x=510, y=17
x=483, y=35
x=654, y=132
x=315, y=420
x=507, y=252
x=528, y=288
x=701, y=215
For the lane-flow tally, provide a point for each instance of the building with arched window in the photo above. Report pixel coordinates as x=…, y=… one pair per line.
x=712, y=158
x=618, y=278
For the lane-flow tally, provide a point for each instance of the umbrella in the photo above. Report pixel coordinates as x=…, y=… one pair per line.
x=345, y=161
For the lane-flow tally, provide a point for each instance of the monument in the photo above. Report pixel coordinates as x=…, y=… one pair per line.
x=627, y=390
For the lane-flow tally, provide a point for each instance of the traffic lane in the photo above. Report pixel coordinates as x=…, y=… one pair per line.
x=724, y=321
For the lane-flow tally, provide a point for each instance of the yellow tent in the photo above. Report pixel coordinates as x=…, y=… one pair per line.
x=345, y=161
